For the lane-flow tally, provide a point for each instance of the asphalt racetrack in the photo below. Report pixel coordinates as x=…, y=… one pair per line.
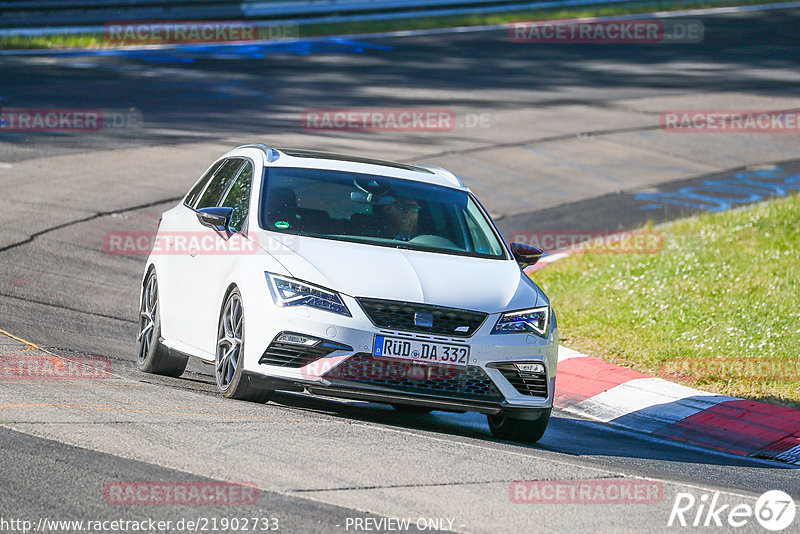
x=549, y=136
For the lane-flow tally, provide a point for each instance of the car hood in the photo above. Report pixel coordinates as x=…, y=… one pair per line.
x=361, y=270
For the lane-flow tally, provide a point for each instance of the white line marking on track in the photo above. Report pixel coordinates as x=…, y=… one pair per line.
x=648, y=403
x=565, y=353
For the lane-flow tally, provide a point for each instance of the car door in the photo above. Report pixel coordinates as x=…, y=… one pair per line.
x=212, y=265
x=171, y=261
x=194, y=243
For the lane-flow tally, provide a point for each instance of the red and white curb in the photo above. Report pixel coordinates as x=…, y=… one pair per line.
x=608, y=393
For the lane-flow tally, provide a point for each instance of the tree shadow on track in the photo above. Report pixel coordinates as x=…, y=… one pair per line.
x=262, y=89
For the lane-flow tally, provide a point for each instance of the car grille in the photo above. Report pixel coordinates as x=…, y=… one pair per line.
x=441, y=380
x=400, y=316
x=526, y=383
x=292, y=355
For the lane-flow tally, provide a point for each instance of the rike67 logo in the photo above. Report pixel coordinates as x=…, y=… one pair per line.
x=774, y=510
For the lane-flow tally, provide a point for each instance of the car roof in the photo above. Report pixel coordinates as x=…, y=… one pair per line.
x=312, y=159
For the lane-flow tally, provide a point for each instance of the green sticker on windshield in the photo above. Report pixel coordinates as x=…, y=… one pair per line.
x=283, y=225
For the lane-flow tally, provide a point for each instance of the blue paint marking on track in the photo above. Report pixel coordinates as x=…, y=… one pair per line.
x=720, y=195
x=191, y=53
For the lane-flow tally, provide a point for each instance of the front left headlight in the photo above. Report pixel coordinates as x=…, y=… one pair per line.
x=292, y=292
x=533, y=320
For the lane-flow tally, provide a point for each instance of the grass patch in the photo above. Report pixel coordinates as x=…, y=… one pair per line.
x=51, y=41
x=318, y=29
x=718, y=308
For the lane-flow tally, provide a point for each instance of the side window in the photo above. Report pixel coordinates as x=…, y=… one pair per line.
x=194, y=194
x=238, y=197
x=219, y=184
x=480, y=231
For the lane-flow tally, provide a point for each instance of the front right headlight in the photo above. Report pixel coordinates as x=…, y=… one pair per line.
x=292, y=292
x=532, y=320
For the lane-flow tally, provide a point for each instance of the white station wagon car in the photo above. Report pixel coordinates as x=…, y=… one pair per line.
x=353, y=278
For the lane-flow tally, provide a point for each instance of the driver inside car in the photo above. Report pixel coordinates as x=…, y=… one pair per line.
x=401, y=219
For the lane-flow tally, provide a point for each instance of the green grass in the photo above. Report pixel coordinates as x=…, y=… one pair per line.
x=718, y=308
x=97, y=40
x=51, y=41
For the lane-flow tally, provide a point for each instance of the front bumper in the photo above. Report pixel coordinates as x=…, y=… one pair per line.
x=392, y=396
x=486, y=385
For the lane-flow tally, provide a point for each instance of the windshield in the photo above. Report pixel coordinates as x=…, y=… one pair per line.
x=376, y=210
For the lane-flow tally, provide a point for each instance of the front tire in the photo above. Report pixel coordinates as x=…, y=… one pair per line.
x=232, y=381
x=521, y=430
x=152, y=356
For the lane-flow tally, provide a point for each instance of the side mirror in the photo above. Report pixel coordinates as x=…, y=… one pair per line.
x=526, y=255
x=216, y=218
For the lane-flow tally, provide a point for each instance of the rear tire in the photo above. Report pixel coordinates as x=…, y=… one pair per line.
x=152, y=356
x=521, y=430
x=232, y=381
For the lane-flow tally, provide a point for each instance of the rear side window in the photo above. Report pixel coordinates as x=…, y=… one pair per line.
x=219, y=184
x=194, y=194
x=238, y=197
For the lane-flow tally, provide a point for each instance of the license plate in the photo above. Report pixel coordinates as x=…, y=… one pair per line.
x=420, y=351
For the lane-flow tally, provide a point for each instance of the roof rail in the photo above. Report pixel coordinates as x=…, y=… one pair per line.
x=271, y=153
x=302, y=153
x=441, y=171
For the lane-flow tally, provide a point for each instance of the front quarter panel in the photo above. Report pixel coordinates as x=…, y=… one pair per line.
x=166, y=272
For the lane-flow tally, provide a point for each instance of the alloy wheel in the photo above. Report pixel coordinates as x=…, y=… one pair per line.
x=147, y=317
x=229, y=341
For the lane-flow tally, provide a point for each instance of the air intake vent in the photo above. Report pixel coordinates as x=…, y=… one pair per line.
x=288, y=349
x=442, y=380
x=406, y=316
x=524, y=382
